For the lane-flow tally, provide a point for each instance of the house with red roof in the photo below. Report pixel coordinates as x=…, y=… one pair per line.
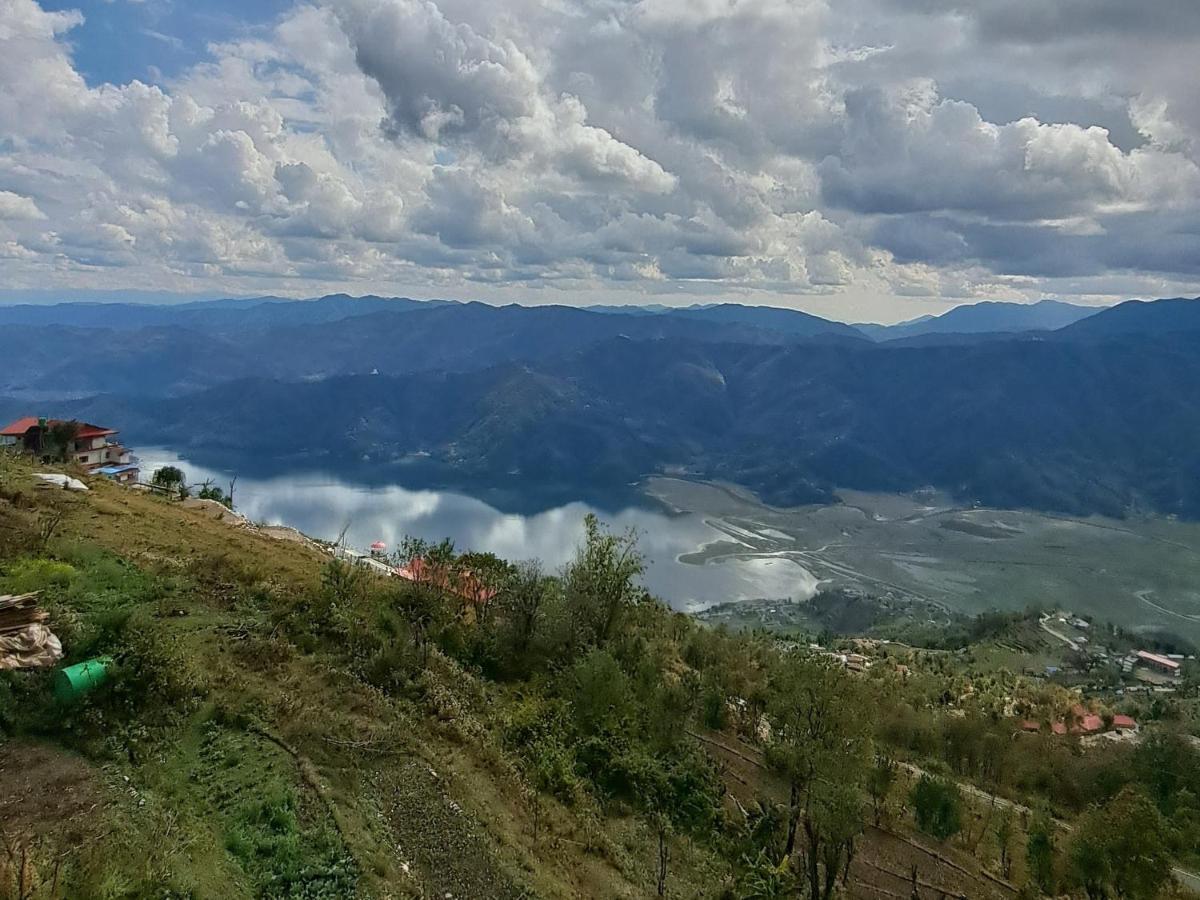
x=1082, y=721
x=1124, y=723
x=92, y=446
x=1158, y=662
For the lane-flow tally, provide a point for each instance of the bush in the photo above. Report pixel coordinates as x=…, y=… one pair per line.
x=156, y=671
x=600, y=692
x=536, y=729
x=937, y=807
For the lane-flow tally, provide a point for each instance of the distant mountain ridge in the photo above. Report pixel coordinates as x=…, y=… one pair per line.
x=1102, y=415
x=209, y=315
x=184, y=356
x=1071, y=426
x=1178, y=315
x=986, y=317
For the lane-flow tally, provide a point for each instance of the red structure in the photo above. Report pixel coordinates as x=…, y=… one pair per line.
x=91, y=446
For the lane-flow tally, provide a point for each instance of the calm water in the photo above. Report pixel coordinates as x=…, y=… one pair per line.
x=322, y=505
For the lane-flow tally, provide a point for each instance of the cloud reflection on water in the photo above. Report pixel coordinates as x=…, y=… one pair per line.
x=322, y=505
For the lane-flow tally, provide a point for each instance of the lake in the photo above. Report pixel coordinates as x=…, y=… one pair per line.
x=322, y=505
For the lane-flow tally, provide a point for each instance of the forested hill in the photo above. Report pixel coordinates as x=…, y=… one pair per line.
x=1101, y=416
x=1059, y=425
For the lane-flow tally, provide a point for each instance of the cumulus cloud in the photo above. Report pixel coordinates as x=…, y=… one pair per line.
x=762, y=148
x=14, y=206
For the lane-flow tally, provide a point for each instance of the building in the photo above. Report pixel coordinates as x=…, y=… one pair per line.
x=1158, y=662
x=92, y=446
x=1084, y=721
x=464, y=584
x=125, y=473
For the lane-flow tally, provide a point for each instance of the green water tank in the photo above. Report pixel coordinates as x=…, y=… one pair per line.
x=75, y=681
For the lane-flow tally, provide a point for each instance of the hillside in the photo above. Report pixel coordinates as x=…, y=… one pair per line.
x=1179, y=316
x=1096, y=417
x=278, y=724
x=986, y=317
x=784, y=321
x=206, y=315
x=219, y=346
x=1065, y=426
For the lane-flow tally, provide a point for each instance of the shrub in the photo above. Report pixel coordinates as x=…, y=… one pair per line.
x=600, y=692
x=937, y=806
x=156, y=671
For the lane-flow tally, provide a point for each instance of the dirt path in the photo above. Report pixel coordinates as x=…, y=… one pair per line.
x=1050, y=631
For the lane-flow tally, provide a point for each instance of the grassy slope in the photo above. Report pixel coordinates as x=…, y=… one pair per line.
x=257, y=768
x=290, y=776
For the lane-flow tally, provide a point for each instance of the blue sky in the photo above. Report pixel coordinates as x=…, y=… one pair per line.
x=153, y=40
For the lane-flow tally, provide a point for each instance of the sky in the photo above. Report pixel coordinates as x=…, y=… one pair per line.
x=867, y=160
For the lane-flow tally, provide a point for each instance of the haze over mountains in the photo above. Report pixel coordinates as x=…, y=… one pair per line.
x=1100, y=415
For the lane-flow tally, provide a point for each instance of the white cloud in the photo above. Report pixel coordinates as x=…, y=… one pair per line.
x=691, y=147
x=14, y=206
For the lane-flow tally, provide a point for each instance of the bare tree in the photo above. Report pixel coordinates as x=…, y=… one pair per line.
x=48, y=522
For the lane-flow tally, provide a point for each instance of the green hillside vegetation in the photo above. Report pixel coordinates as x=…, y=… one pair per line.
x=281, y=724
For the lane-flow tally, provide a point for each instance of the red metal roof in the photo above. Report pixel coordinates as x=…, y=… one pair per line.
x=1124, y=722
x=1030, y=725
x=1157, y=659
x=86, y=431
x=19, y=427
x=1085, y=720
x=22, y=425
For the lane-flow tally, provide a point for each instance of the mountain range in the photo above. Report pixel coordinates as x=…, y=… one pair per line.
x=1102, y=415
x=988, y=317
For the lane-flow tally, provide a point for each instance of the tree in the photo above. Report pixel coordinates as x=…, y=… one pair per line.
x=438, y=557
x=937, y=806
x=879, y=783
x=833, y=822
x=422, y=608
x=168, y=477
x=600, y=583
x=59, y=438
x=520, y=608
x=1166, y=763
x=1039, y=852
x=1005, y=828
x=342, y=582
x=821, y=723
x=478, y=578
x=675, y=793
x=600, y=692
x=210, y=491
x=1121, y=846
